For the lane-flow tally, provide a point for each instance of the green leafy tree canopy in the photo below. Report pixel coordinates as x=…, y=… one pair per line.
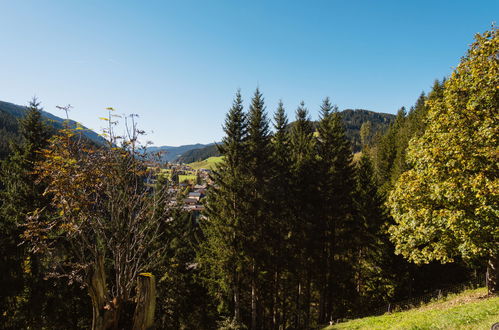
x=447, y=204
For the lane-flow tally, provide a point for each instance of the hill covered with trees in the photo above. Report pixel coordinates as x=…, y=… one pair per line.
x=9, y=132
x=199, y=154
x=9, y=128
x=173, y=154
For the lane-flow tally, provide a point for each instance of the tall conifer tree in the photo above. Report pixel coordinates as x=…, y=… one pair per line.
x=259, y=173
x=336, y=193
x=221, y=253
x=26, y=297
x=22, y=195
x=304, y=211
x=374, y=281
x=281, y=215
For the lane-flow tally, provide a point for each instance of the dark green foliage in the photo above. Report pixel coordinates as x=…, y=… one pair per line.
x=281, y=227
x=389, y=147
x=257, y=226
x=9, y=133
x=21, y=196
x=389, y=151
x=375, y=280
x=221, y=254
x=283, y=231
x=27, y=298
x=340, y=228
x=354, y=119
x=183, y=303
x=304, y=220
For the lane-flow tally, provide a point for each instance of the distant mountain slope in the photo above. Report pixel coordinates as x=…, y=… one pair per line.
x=196, y=155
x=171, y=154
x=18, y=111
x=9, y=131
x=353, y=120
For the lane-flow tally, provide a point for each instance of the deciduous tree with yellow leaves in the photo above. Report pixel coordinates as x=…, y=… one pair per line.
x=446, y=205
x=108, y=223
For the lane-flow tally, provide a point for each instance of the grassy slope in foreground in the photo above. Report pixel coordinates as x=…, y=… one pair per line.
x=468, y=310
x=209, y=163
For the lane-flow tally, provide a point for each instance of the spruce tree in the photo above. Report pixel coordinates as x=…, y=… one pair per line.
x=281, y=226
x=335, y=192
x=22, y=195
x=304, y=212
x=257, y=225
x=27, y=299
x=221, y=252
x=386, y=153
x=374, y=281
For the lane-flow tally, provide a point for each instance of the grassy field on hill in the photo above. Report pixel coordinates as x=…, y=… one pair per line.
x=471, y=309
x=191, y=178
x=209, y=163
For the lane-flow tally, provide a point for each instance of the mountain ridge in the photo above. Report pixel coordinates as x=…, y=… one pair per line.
x=18, y=111
x=171, y=153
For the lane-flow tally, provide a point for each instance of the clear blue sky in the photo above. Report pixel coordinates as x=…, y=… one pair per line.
x=178, y=63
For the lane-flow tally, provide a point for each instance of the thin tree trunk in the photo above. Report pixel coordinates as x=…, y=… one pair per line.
x=237, y=301
x=275, y=301
x=493, y=274
x=330, y=272
x=283, y=321
x=322, y=303
x=308, y=298
x=297, y=307
x=253, y=298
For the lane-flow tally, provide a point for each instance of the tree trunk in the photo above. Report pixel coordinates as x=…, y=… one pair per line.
x=493, y=274
x=237, y=303
x=104, y=314
x=275, y=300
x=322, y=304
x=308, y=298
x=253, y=298
x=143, y=317
x=284, y=306
x=298, y=307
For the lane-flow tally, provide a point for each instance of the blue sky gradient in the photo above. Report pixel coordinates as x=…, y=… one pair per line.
x=178, y=63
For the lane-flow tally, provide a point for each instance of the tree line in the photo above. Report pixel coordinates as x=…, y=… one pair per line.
x=293, y=235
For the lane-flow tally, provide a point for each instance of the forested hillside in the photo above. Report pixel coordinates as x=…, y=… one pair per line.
x=199, y=154
x=9, y=132
x=354, y=119
x=12, y=112
x=172, y=154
